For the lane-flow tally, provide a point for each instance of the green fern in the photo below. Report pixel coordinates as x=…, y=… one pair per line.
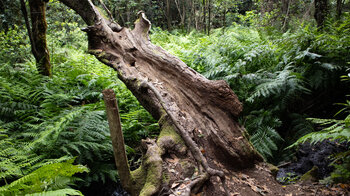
x=60, y=192
x=283, y=84
x=264, y=140
x=262, y=125
x=46, y=178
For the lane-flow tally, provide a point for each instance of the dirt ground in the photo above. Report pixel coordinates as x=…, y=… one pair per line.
x=259, y=182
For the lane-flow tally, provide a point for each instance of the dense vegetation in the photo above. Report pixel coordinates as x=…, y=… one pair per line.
x=283, y=75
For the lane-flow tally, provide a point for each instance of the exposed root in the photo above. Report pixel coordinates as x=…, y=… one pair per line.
x=153, y=165
x=197, y=182
x=193, y=147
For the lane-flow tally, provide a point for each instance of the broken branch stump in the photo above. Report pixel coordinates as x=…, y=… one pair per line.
x=115, y=129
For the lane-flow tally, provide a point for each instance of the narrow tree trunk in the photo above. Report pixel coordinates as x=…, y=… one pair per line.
x=37, y=35
x=339, y=8
x=209, y=16
x=190, y=17
x=127, y=12
x=181, y=14
x=29, y=30
x=204, y=16
x=286, y=17
x=195, y=16
x=321, y=12
x=184, y=13
x=224, y=15
x=117, y=138
x=168, y=14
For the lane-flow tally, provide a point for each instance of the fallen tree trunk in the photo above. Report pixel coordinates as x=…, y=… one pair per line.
x=201, y=146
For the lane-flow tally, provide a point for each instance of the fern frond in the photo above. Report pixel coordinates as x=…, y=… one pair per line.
x=42, y=178
x=60, y=192
x=283, y=83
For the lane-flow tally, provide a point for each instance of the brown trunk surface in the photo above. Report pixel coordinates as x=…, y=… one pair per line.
x=339, y=8
x=321, y=12
x=117, y=138
x=201, y=147
x=37, y=35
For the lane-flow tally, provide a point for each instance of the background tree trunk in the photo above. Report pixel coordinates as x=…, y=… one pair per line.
x=37, y=34
x=321, y=12
x=204, y=16
x=209, y=16
x=339, y=8
x=168, y=14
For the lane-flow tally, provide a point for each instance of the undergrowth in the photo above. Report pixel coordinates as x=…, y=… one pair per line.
x=44, y=121
x=281, y=78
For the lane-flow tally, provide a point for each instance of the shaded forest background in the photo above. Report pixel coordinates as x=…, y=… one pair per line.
x=288, y=62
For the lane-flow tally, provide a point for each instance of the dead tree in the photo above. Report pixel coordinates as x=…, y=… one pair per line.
x=201, y=146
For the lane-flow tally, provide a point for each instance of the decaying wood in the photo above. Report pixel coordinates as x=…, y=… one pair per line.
x=201, y=146
x=117, y=138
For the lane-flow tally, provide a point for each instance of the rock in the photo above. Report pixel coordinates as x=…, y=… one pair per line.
x=310, y=176
x=273, y=169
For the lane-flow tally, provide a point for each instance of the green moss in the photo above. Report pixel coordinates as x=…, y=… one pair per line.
x=188, y=168
x=166, y=177
x=153, y=180
x=102, y=54
x=137, y=21
x=147, y=178
x=168, y=130
x=310, y=176
x=273, y=169
x=138, y=179
x=95, y=52
x=105, y=60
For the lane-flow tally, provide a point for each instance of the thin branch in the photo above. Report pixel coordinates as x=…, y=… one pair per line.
x=285, y=19
x=26, y=19
x=107, y=10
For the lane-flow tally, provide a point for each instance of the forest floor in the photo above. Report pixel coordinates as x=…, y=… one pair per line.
x=259, y=182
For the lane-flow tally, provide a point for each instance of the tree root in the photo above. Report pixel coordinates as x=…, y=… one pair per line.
x=197, y=182
x=153, y=164
x=193, y=147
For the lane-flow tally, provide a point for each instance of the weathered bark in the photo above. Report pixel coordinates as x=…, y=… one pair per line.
x=168, y=14
x=204, y=16
x=209, y=16
x=201, y=146
x=224, y=15
x=26, y=20
x=117, y=138
x=321, y=12
x=37, y=34
x=340, y=4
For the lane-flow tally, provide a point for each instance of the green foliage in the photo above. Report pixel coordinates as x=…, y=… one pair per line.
x=60, y=192
x=274, y=74
x=262, y=126
x=290, y=178
x=45, y=121
x=52, y=177
x=14, y=44
x=335, y=130
x=48, y=120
